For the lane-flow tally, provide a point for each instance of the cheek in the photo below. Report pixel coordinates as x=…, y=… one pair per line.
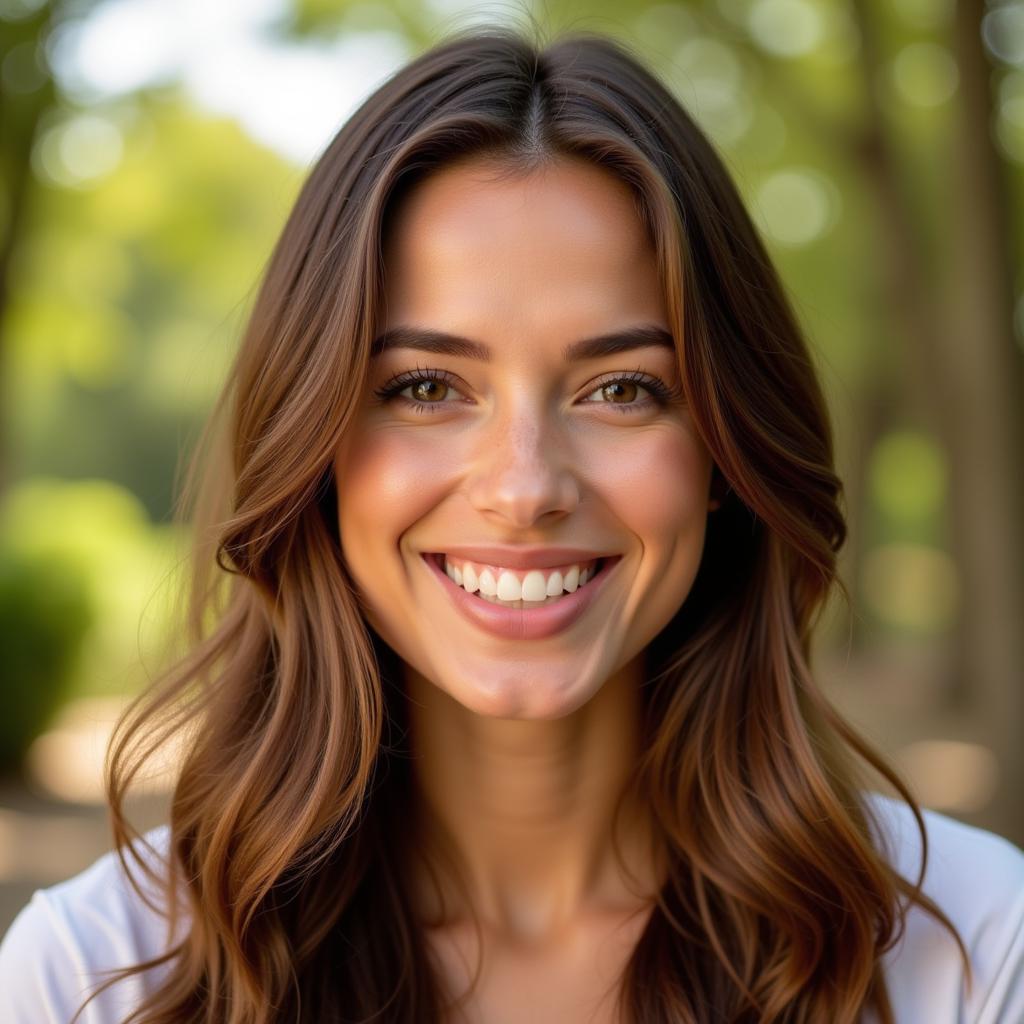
x=387, y=480
x=656, y=482
x=657, y=488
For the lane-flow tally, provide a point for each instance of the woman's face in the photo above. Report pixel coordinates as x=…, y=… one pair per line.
x=531, y=447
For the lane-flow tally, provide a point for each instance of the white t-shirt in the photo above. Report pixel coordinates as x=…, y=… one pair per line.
x=51, y=953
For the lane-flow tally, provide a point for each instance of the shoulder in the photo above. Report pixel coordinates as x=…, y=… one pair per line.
x=59, y=945
x=977, y=879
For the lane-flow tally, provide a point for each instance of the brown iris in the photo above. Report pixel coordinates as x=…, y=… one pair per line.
x=615, y=387
x=426, y=389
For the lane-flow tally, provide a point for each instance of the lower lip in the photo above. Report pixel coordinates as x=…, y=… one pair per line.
x=524, y=623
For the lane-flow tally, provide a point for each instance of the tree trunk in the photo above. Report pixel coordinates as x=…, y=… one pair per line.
x=979, y=353
x=20, y=114
x=965, y=366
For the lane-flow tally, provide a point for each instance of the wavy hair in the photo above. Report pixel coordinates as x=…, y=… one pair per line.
x=287, y=858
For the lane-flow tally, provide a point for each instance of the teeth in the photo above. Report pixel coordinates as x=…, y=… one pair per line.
x=521, y=604
x=536, y=588
x=572, y=579
x=488, y=585
x=509, y=588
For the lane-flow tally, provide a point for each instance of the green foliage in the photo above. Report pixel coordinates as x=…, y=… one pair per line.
x=86, y=595
x=46, y=610
x=130, y=290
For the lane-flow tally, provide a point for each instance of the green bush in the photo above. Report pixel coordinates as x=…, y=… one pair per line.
x=87, y=588
x=46, y=611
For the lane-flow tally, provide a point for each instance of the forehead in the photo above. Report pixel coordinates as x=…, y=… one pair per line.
x=557, y=252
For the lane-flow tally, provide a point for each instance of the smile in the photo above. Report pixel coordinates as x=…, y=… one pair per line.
x=522, y=618
x=518, y=588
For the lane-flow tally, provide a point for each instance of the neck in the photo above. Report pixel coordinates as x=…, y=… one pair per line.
x=526, y=810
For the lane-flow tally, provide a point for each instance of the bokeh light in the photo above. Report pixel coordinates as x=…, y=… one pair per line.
x=911, y=587
x=78, y=150
x=908, y=477
x=1003, y=32
x=950, y=775
x=797, y=205
x=786, y=28
x=924, y=74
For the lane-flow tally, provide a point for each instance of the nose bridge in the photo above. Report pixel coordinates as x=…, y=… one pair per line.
x=523, y=465
x=521, y=425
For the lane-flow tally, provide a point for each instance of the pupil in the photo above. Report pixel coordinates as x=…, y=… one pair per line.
x=425, y=388
x=616, y=387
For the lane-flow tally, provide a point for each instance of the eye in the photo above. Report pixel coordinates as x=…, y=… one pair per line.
x=429, y=389
x=627, y=387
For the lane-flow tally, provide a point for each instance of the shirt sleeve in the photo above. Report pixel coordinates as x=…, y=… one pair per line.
x=977, y=879
x=73, y=936
x=40, y=981
x=1003, y=1001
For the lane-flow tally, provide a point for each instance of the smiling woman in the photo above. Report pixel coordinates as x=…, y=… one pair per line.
x=500, y=705
x=556, y=416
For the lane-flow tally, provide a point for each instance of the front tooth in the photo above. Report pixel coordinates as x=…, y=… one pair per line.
x=572, y=579
x=584, y=576
x=535, y=586
x=554, y=585
x=469, y=579
x=458, y=575
x=509, y=587
x=487, y=584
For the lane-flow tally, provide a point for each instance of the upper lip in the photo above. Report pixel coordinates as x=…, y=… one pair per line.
x=523, y=557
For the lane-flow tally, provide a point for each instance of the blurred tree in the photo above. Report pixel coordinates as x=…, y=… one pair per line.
x=132, y=290
x=132, y=237
x=954, y=309
x=26, y=93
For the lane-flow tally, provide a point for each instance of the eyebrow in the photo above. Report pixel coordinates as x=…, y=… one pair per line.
x=426, y=339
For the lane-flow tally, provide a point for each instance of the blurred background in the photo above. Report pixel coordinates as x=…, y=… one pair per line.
x=150, y=153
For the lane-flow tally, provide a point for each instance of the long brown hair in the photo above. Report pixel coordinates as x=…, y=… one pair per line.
x=285, y=844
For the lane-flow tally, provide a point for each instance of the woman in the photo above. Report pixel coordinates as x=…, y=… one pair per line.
x=499, y=706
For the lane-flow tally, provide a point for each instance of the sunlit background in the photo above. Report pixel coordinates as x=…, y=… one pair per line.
x=151, y=150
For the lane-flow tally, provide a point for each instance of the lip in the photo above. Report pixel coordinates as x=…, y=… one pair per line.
x=524, y=623
x=524, y=557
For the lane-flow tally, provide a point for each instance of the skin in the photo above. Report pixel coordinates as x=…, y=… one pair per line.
x=521, y=748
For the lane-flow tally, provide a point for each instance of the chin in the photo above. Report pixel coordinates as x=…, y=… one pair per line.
x=521, y=696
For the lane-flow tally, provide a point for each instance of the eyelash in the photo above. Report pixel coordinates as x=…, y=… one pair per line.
x=661, y=393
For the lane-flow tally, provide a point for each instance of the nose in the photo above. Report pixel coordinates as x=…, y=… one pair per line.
x=523, y=470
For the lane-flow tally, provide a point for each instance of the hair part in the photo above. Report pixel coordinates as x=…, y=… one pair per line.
x=287, y=847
